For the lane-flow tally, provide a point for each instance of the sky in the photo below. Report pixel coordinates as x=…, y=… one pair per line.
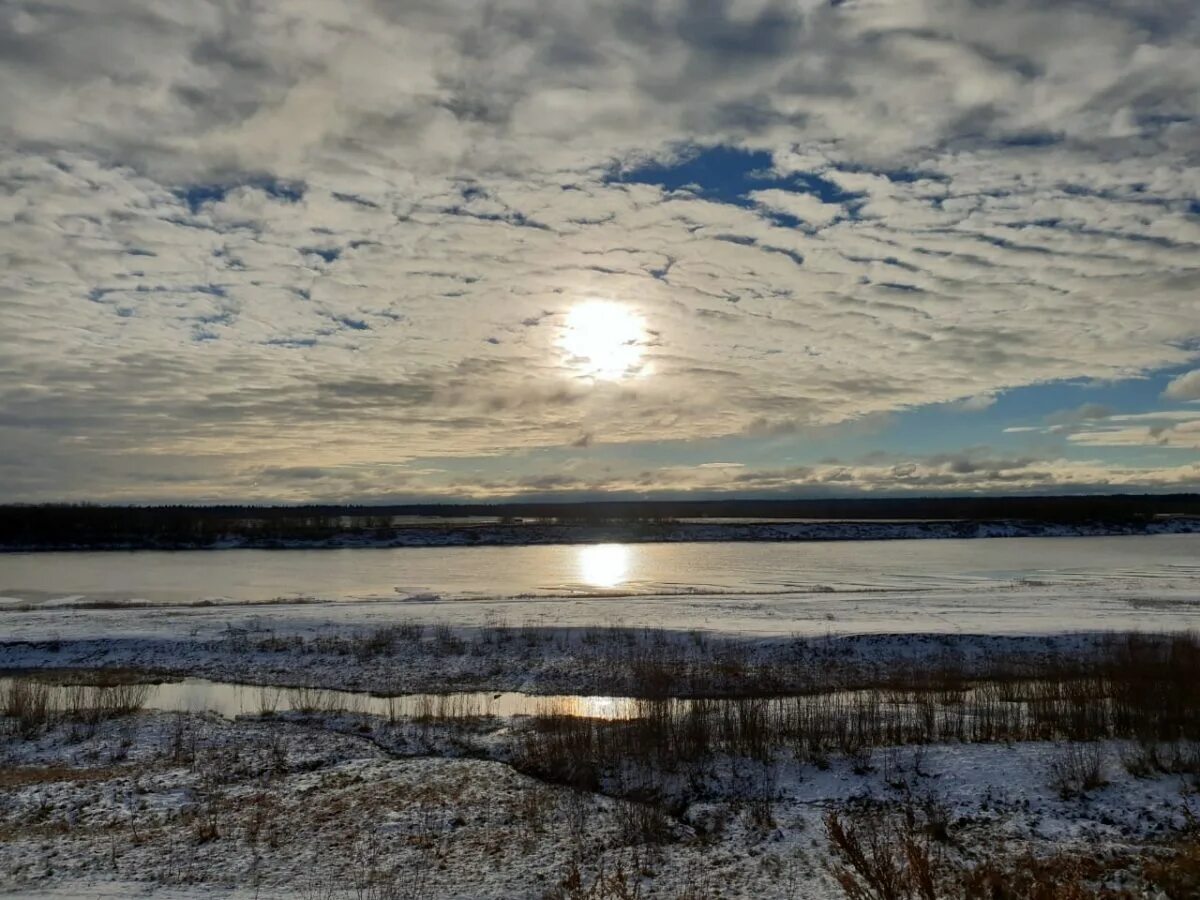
x=366, y=251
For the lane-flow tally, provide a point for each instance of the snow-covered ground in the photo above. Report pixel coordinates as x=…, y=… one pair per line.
x=590, y=662
x=195, y=806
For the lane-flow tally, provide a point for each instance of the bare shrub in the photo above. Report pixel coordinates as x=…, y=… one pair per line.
x=373, y=878
x=643, y=823
x=318, y=889
x=533, y=811
x=1147, y=758
x=121, y=699
x=1060, y=876
x=1143, y=759
x=307, y=701
x=446, y=642
x=1076, y=769
x=879, y=858
x=616, y=884
x=205, y=828
x=887, y=854
x=28, y=704
x=565, y=750
x=34, y=704
x=1176, y=875
x=181, y=740
x=409, y=631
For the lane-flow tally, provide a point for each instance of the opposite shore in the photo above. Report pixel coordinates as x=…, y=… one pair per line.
x=504, y=534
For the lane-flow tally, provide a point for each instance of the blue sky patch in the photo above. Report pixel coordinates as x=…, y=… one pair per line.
x=724, y=174
x=329, y=254
x=197, y=196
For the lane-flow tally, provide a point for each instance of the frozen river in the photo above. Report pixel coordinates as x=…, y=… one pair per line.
x=605, y=570
x=1001, y=585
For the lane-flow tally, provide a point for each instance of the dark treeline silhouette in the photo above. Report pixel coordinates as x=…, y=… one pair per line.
x=86, y=525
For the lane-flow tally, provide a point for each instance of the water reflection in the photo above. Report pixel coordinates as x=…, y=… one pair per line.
x=603, y=565
x=198, y=695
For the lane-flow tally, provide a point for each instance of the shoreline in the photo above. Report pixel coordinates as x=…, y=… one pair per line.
x=406, y=658
x=971, y=751
x=526, y=535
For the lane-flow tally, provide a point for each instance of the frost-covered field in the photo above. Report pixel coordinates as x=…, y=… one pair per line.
x=157, y=804
x=974, y=759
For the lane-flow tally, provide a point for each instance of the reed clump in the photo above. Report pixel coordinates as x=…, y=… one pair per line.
x=898, y=852
x=1144, y=689
x=31, y=705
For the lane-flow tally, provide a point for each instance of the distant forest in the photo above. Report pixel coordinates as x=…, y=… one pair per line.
x=99, y=526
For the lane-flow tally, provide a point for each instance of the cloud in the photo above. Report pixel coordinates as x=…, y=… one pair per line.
x=806, y=207
x=977, y=403
x=310, y=234
x=1097, y=425
x=1184, y=435
x=968, y=471
x=1185, y=387
x=1087, y=412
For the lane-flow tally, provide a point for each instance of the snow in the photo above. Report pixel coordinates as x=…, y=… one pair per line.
x=294, y=805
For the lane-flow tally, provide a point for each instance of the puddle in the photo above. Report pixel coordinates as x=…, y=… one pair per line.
x=79, y=691
x=198, y=695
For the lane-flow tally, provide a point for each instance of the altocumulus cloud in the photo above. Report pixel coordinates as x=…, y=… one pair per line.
x=293, y=249
x=1185, y=387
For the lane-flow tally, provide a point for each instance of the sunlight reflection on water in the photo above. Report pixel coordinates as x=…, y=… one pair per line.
x=604, y=565
x=197, y=695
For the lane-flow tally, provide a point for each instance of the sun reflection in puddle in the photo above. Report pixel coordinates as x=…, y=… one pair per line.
x=604, y=707
x=197, y=696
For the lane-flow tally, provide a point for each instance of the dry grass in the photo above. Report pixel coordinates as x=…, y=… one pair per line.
x=1142, y=689
x=881, y=858
x=1146, y=689
x=26, y=775
x=657, y=663
x=1077, y=769
x=30, y=705
x=891, y=853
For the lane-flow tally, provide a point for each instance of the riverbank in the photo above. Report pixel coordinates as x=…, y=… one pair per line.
x=1074, y=771
x=195, y=807
x=406, y=658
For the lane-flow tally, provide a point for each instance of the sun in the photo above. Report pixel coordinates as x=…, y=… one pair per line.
x=604, y=340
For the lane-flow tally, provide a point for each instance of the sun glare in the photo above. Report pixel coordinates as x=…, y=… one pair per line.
x=604, y=340
x=603, y=565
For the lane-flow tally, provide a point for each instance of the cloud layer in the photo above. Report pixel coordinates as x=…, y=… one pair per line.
x=300, y=249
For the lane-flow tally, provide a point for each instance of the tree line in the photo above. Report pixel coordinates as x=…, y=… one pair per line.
x=85, y=525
